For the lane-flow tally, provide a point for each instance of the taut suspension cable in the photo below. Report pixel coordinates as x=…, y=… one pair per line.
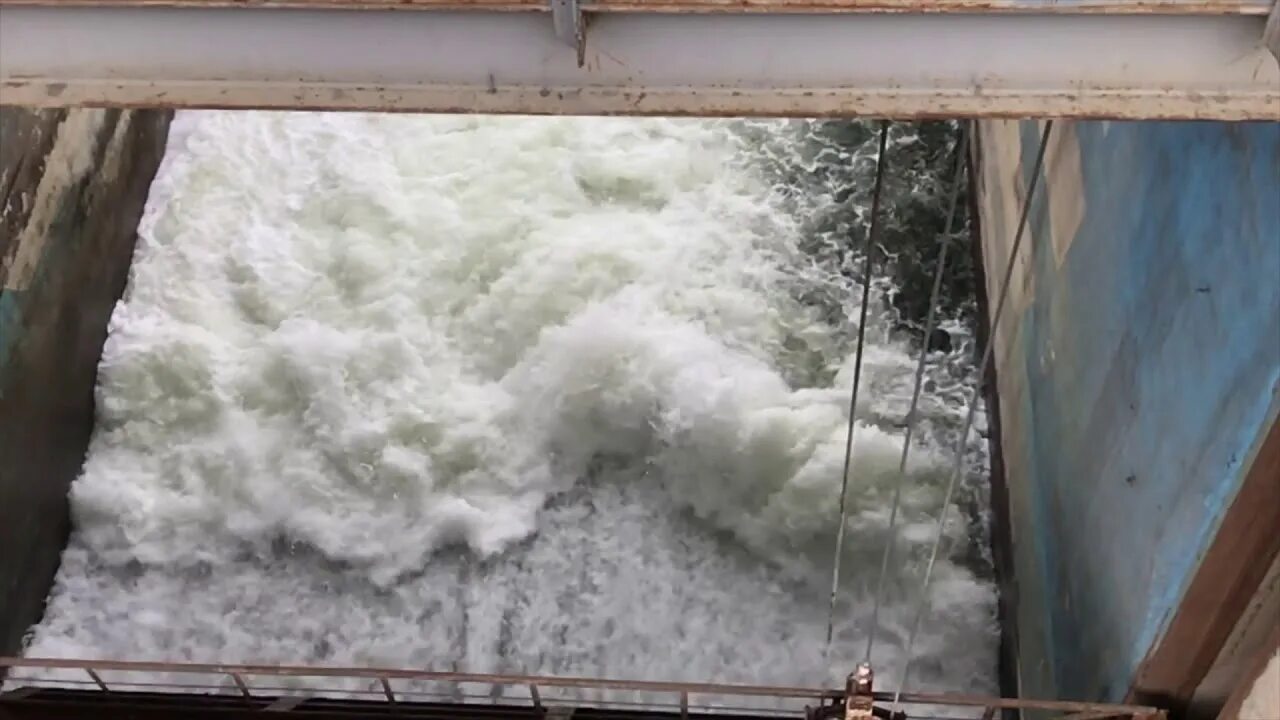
x=869, y=247
x=957, y=180
x=958, y=465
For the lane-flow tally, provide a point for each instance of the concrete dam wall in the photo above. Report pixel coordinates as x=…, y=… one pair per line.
x=72, y=188
x=1138, y=366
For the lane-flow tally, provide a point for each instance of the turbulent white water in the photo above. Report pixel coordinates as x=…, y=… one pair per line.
x=529, y=395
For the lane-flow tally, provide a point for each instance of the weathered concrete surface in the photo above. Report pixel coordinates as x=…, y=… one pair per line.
x=1237, y=673
x=72, y=189
x=1138, y=368
x=1263, y=699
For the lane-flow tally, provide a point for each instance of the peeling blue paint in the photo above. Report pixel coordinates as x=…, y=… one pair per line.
x=1152, y=360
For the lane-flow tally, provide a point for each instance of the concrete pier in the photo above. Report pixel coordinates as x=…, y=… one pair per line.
x=73, y=184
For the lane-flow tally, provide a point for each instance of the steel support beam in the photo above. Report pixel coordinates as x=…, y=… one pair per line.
x=869, y=64
x=1059, y=7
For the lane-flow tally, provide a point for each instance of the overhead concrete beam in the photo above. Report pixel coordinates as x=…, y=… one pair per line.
x=890, y=64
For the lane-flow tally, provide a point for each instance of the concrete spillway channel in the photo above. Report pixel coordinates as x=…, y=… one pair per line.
x=72, y=188
x=1135, y=385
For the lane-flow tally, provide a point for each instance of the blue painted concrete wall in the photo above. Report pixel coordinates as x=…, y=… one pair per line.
x=1138, y=369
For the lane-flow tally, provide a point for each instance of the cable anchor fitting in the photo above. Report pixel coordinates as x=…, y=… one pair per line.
x=570, y=25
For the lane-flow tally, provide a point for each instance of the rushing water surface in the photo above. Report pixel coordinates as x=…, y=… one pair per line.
x=560, y=396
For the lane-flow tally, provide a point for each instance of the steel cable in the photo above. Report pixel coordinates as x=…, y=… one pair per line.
x=958, y=465
x=957, y=179
x=872, y=230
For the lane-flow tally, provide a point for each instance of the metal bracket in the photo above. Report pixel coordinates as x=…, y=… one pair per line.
x=571, y=25
x=1271, y=33
x=858, y=700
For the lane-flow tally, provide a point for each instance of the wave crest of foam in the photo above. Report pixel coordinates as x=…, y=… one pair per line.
x=378, y=336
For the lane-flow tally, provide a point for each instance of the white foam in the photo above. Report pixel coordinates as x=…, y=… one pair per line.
x=359, y=354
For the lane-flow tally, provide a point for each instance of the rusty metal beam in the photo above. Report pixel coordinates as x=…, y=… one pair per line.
x=880, y=64
x=1070, y=7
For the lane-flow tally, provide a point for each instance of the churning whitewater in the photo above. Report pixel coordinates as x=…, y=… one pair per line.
x=553, y=396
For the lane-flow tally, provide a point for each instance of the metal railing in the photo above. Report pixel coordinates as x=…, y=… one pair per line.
x=538, y=693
